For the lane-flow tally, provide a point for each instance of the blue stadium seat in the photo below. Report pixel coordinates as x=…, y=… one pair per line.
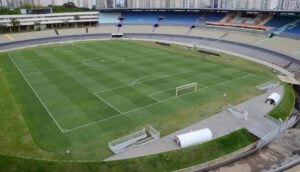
x=294, y=30
x=170, y=18
x=140, y=17
x=280, y=21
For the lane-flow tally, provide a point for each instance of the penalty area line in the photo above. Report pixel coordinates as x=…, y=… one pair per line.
x=125, y=113
x=145, y=81
x=109, y=104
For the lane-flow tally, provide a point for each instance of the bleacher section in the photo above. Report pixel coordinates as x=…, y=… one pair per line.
x=280, y=21
x=294, y=29
x=168, y=18
x=285, y=24
x=140, y=17
x=180, y=30
x=208, y=33
x=284, y=45
x=137, y=29
x=143, y=22
x=109, y=18
x=257, y=21
x=243, y=20
x=243, y=37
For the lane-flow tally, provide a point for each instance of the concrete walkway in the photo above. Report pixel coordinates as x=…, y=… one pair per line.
x=220, y=124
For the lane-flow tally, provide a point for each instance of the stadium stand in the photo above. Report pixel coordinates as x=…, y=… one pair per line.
x=243, y=20
x=279, y=21
x=208, y=33
x=243, y=37
x=137, y=29
x=179, y=30
x=140, y=17
x=109, y=18
x=295, y=29
x=168, y=18
x=259, y=21
x=282, y=44
x=189, y=23
x=285, y=23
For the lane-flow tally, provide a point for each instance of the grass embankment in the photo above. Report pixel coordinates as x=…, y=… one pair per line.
x=286, y=105
x=161, y=162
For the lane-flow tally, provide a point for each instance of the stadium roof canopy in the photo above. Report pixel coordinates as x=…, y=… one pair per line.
x=198, y=10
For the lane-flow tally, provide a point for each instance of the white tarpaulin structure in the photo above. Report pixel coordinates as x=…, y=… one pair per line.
x=194, y=137
x=273, y=99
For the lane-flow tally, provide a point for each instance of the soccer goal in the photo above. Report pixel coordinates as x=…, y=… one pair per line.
x=185, y=89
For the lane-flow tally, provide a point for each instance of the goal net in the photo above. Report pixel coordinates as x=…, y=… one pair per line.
x=185, y=89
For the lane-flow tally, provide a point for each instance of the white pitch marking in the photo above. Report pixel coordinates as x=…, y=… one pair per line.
x=52, y=69
x=61, y=129
x=153, y=98
x=119, y=60
x=125, y=113
x=108, y=103
x=135, y=81
x=154, y=78
x=163, y=76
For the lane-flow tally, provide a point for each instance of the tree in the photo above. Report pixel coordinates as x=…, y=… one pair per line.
x=76, y=18
x=3, y=28
x=69, y=5
x=14, y=22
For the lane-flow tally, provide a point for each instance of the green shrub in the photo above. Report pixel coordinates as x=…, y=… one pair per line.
x=286, y=105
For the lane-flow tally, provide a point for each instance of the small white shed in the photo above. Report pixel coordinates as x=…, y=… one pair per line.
x=194, y=137
x=273, y=99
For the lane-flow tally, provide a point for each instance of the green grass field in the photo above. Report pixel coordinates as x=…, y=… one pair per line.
x=80, y=96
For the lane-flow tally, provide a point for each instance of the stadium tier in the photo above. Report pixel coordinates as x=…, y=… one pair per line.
x=172, y=18
x=280, y=21
x=259, y=21
x=285, y=23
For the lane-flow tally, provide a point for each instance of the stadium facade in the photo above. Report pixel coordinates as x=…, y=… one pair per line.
x=227, y=4
x=18, y=3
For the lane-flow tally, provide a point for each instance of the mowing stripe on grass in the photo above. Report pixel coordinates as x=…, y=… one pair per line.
x=48, y=111
x=153, y=79
x=79, y=96
x=107, y=103
x=125, y=113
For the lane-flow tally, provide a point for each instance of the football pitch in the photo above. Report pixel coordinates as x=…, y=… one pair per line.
x=96, y=91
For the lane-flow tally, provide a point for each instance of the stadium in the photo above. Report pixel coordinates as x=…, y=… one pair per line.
x=148, y=89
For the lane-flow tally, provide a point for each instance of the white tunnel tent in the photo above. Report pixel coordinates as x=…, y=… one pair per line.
x=273, y=99
x=194, y=137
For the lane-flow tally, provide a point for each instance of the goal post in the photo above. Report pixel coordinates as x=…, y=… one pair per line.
x=185, y=89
